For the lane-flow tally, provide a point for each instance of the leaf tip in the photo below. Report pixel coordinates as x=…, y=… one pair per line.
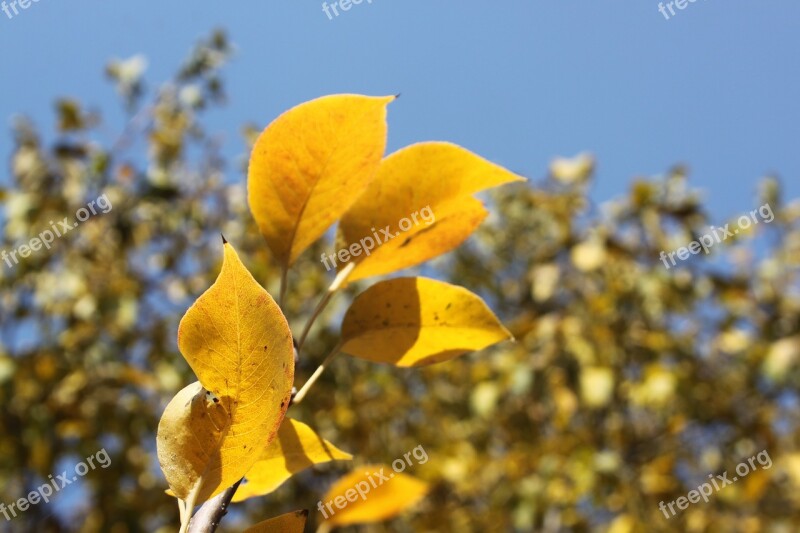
x=224, y=240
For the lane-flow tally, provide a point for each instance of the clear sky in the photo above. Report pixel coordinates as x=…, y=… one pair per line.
x=716, y=86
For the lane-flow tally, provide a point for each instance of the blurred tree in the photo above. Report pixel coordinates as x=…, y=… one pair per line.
x=629, y=383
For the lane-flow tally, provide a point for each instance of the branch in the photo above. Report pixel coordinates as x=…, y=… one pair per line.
x=317, y=373
x=340, y=279
x=207, y=519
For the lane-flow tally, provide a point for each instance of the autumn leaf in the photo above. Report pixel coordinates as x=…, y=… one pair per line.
x=372, y=493
x=286, y=523
x=296, y=448
x=238, y=343
x=193, y=416
x=418, y=321
x=309, y=166
x=433, y=177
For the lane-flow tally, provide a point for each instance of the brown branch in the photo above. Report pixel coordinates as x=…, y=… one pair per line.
x=207, y=519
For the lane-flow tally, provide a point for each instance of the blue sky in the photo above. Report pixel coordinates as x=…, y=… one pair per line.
x=715, y=87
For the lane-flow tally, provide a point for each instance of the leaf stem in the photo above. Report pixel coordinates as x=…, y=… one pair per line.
x=315, y=376
x=182, y=510
x=282, y=294
x=338, y=281
x=190, y=503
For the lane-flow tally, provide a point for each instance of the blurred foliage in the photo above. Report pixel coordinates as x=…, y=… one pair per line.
x=629, y=382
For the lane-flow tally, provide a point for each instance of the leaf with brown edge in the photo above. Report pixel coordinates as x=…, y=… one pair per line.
x=372, y=493
x=410, y=322
x=310, y=165
x=286, y=523
x=433, y=177
x=238, y=343
x=296, y=448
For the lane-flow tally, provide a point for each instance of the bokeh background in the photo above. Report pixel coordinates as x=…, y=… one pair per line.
x=629, y=383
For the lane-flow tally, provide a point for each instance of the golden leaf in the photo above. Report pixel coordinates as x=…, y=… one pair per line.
x=372, y=493
x=309, y=166
x=418, y=321
x=296, y=448
x=422, y=197
x=192, y=417
x=239, y=345
x=286, y=523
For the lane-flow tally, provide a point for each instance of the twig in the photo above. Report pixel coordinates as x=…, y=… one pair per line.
x=282, y=294
x=340, y=279
x=207, y=519
x=315, y=376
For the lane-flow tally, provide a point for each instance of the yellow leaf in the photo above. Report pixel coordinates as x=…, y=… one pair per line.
x=193, y=417
x=418, y=321
x=434, y=177
x=372, y=493
x=309, y=166
x=286, y=523
x=239, y=345
x=296, y=448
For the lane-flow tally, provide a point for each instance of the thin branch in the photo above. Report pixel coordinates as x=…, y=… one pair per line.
x=315, y=376
x=282, y=294
x=207, y=519
x=320, y=307
x=340, y=279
